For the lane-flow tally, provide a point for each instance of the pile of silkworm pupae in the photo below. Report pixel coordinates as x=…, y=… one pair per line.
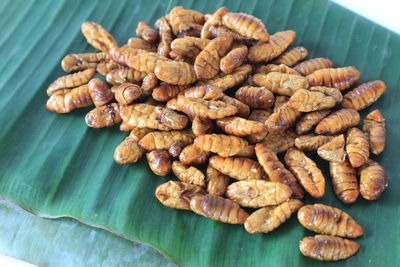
x=215, y=98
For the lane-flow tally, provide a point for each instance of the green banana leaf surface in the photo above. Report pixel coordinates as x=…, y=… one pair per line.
x=54, y=165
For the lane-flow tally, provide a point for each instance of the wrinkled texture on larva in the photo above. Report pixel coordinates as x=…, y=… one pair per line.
x=71, y=81
x=212, y=21
x=146, y=32
x=205, y=91
x=306, y=171
x=149, y=116
x=216, y=182
x=176, y=148
x=238, y=168
x=281, y=83
x=246, y=25
x=164, y=139
x=103, y=68
x=175, y=72
x=374, y=128
x=129, y=151
x=204, y=109
x=311, y=141
x=282, y=119
x=233, y=59
x=279, y=141
x=78, y=62
x=137, y=43
x=364, y=95
x=309, y=120
x=218, y=208
x=329, y=91
x=265, y=69
x=165, y=31
x=292, y=56
x=373, y=180
x=338, y=122
x=202, y=126
x=100, y=92
x=247, y=152
x=262, y=52
x=177, y=195
x=183, y=21
x=258, y=193
x=340, y=78
x=260, y=115
x=98, y=37
x=104, y=116
x=309, y=66
x=188, y=174
x=159, y=162
x=219, y=30
x=328, y=220
x=193, y=155
x=145, y=61
x=230, y=80
x=64, y=101
x=123, y=55
x=357, y=147
x=188, y=47
x=125, y=75
x=268, y=219
x=344, y=181
x=166, y=91
x=328, y=248
x=255, y=97
x=149, y=82
x=243, y=109
x=276, y=171
x=239, y=126
x=280, y=100
x=306, y=101
x=333, y=150
x=126, y=93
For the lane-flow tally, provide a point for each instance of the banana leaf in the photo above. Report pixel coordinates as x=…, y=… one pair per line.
x=55, y=166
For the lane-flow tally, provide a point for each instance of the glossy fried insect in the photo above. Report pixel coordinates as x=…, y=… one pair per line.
x=166, y=91
x=282, y=119
x=309, y=120
x=328, y=248
x=374, y=128
x=338, y=122
x=239, y=126
x=340, y=78
x=193, y=155
x=230, y=80
x=204, y=109
x=126, y=93
x=129, y=150
x=276, y=171
x=306, y=171
x=205, y=91
x=188, y=47
x=216, y=182
x=311, y=141
x=219, y=30
x=328, y=91
x=247, y=152
x=202, y=126
x=243, y=109
x=344, y=180
x=177, y=195
x=281, y=83
x=373, y=180
x=238, y=168
x=309, y=66
x=184, y=21
x=265, y=69
x=221, y=144
x=98, y=37
x=260, y=115
x=255, y=97
x=246, y=25
x=258, y=193
x=125, y=75
x=103, y=116
x=145, y=61
x=159, y=162
x=279, y=141
x=164, y=47
x=78, y=62
x=306, y=101
x=146, y=32
x=262, y=52
x=364, y=95
x=212, y=21
x=175, y=72
x=328, y=220
x=66, y=100
x=100, y=92
x=71, y=81
x=333, y=150
x=188, y=174
x=138, y=43
x=292, y=56
x=357, y=147
x=164, y=140
x=233, y=59
x=280, y=100
x=149, y=82
x=103, y=68
x=268, y=219
x=123, y=55
x=176, y=148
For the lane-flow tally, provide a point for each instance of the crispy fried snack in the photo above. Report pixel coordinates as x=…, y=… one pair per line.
x=309, y=66
x=100, y=92
x=103, y=68
x=373, y=180
x=146, y=32
x=177, y=195
x=176, y=148
x=71, y=81
x=175, y=72
x=193, y=155
x=258, y=193
x=306, y=171
x=189, y=174
x=149, y=82
x=240, y=127
x=328, y=220
x=125, y=75
x=146, y=61
x=129, y=151
x=282, y=119
x=122, y=55
x=159, y=162
x=202, y=126
x=374, y=128
x=78, y=62
x=64, y=101
x=221, y=144
x=233, y=59
x=344, y=181
x=205, y=91
x=282, y=68
x=309, y=120
x=218, y=208
x=246, y=25
x=137, y=43
x=328, y=248
x=204, y=109
x=255, y=97
x=166, y=91
x=280, y=100
x=281, y=83
x=276, y=171
x=188, y=47
x=340, y=78
x=357, y=147
x=219, y=30
x=338, y=122
x=164, y=47
x=279, y=141
x=329, y=91
x=268, y=219
x=260, y=115
x=262, y=52
x=238, y=168
x=212, y=21
x=185, y=21
x=306, y=101
x=311, y=141
x=98, y=37
x=126, y=93
x=333, y=151
x=230, y=80
x=103, y=116
x=243, y=109
x=164, y=140
x=216, y=182
x=292, y=56
x=364, y=95
x=247, y=152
